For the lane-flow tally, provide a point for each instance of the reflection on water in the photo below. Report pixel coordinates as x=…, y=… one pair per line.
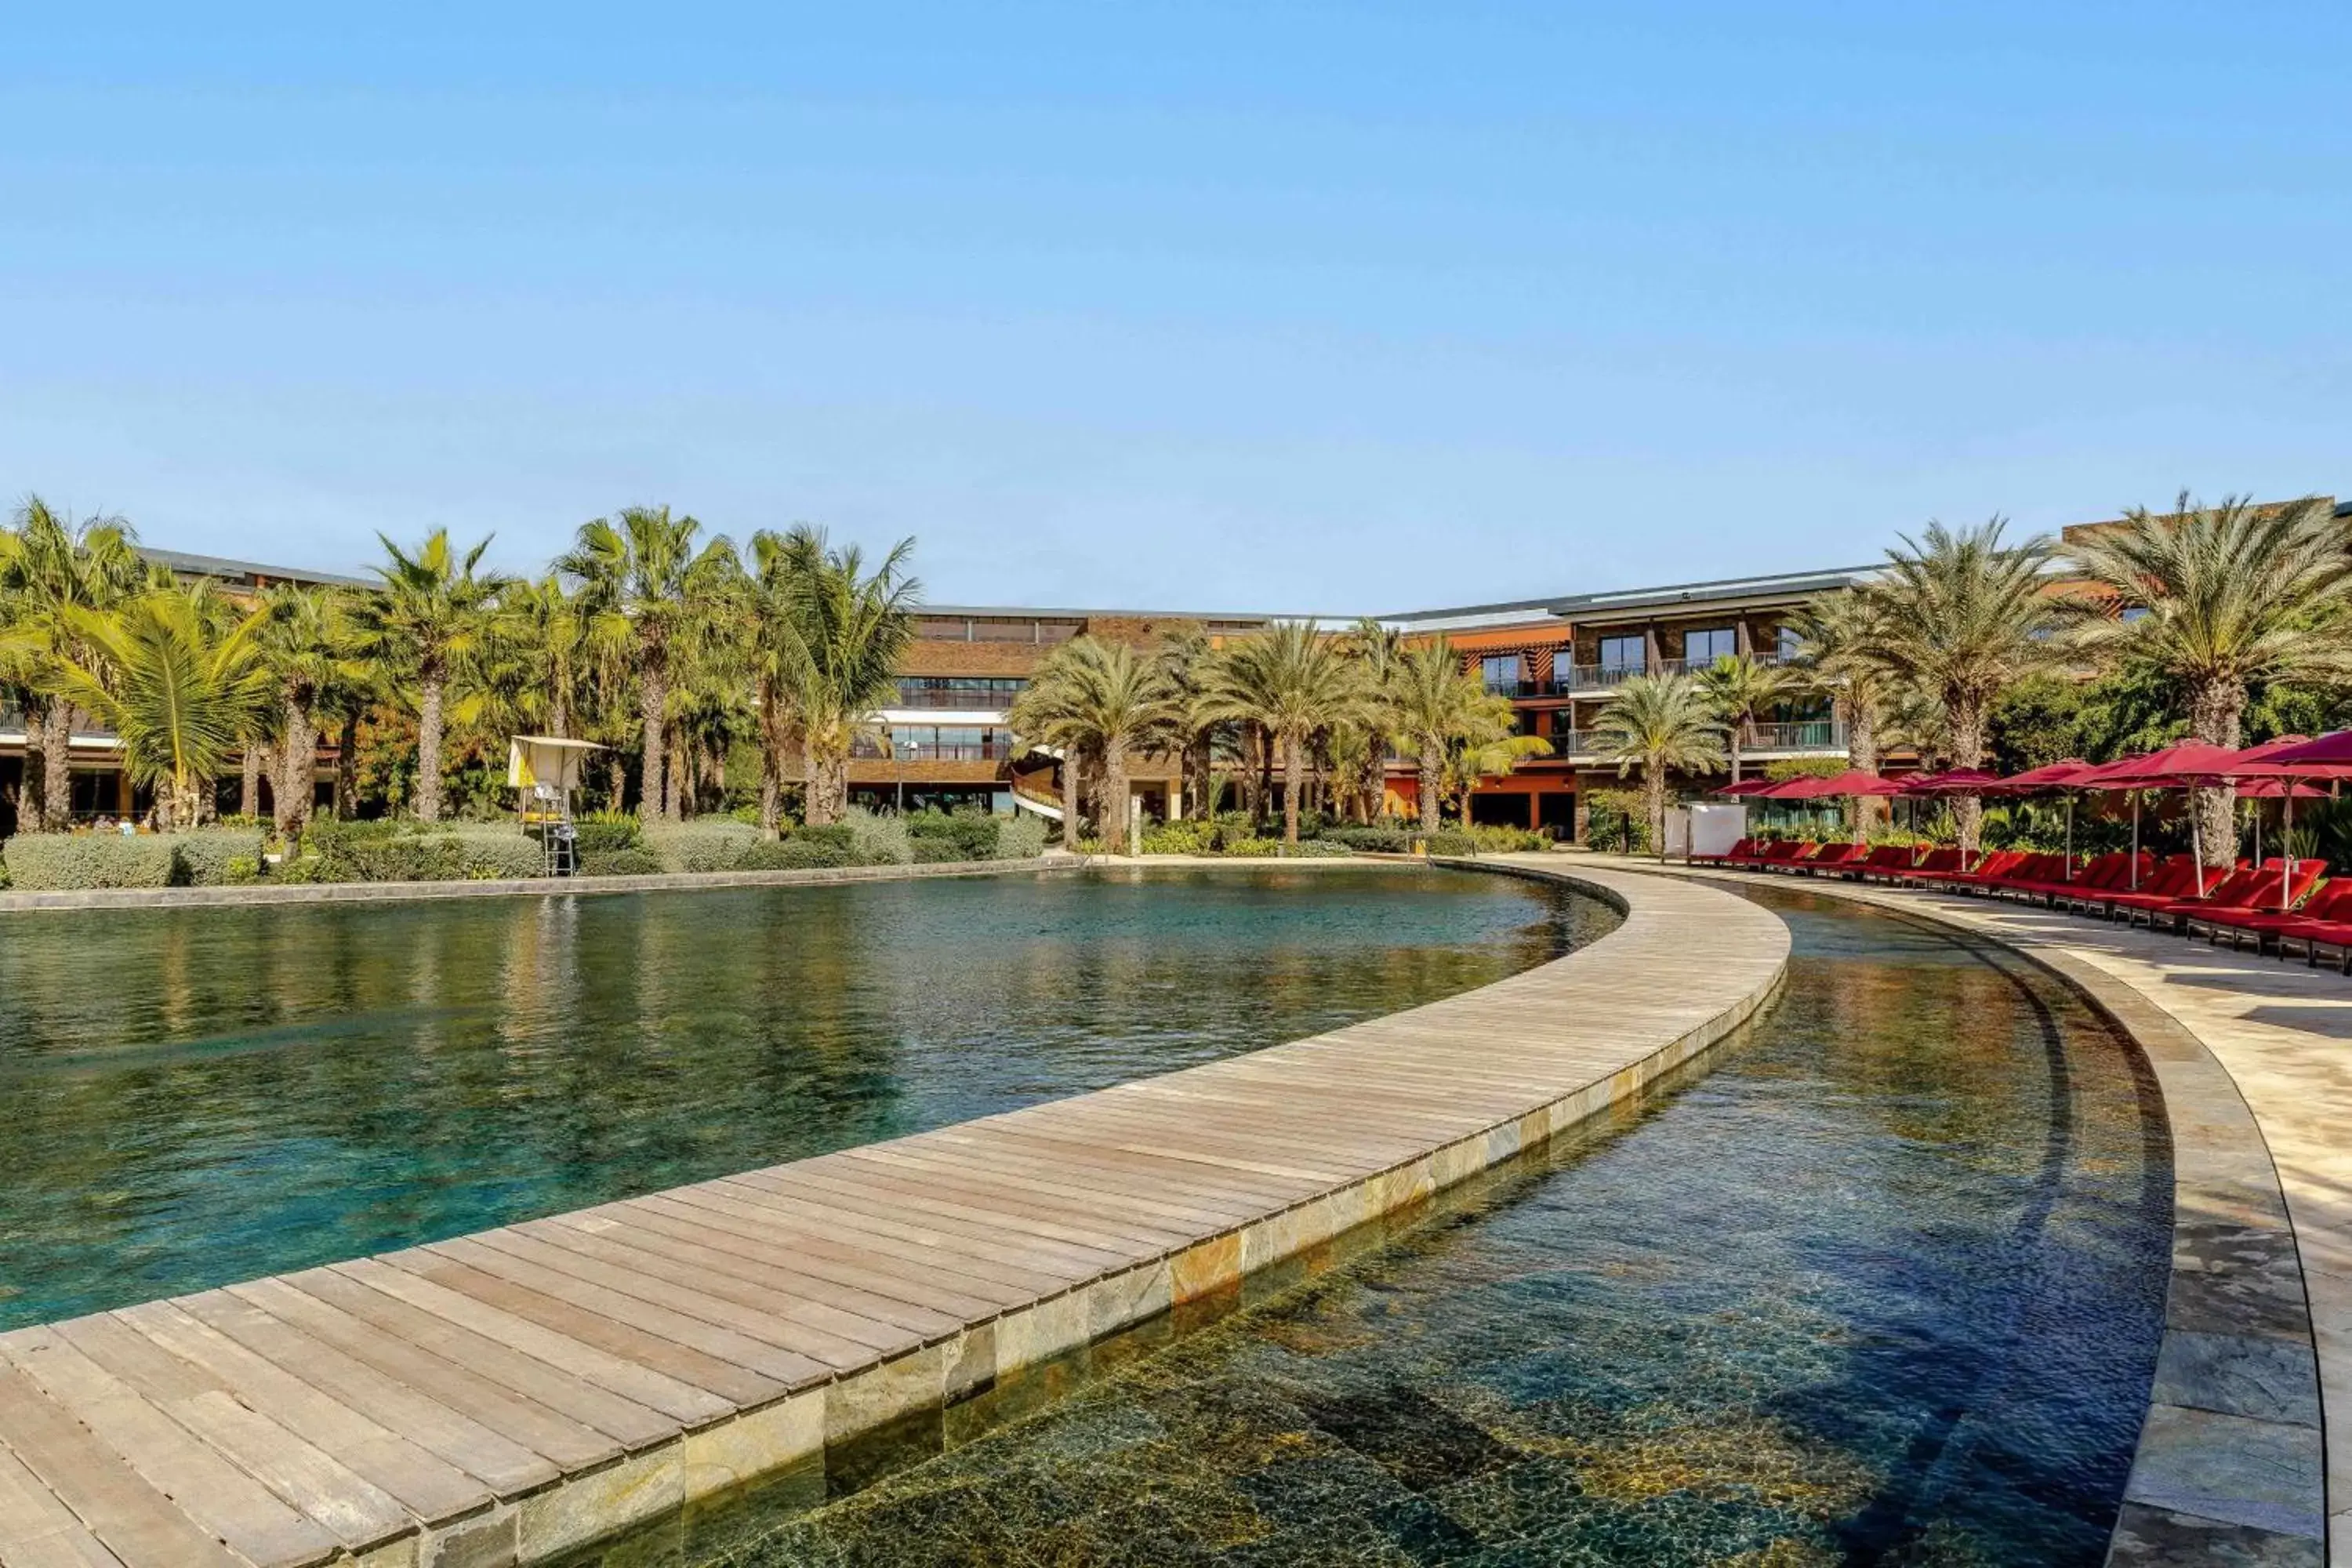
x=1883, y=1287
x=194, y=1097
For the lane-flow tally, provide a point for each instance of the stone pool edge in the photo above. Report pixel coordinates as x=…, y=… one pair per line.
x=2237, y=1318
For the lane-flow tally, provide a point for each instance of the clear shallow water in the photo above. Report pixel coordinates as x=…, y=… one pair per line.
x=1883, y=1287
x=197, y=1097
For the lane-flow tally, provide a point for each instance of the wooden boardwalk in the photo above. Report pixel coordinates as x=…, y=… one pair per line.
x=507, y=1396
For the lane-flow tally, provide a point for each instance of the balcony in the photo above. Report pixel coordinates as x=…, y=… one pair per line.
x=1802, y=735
x=995, y=748
x=1586, y=677
x=976, y=696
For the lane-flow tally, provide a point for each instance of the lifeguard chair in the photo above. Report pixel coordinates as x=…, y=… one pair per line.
x=544, y=770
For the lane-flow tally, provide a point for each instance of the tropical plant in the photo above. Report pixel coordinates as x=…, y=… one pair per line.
x=833, y=639
x=53, y=567
x=1963, y=615
x=310, y=650
x=1187, y=659
x=2218, y=599
x=1105, y=700
x=1656, y=723
x=641, y=579
x=1487, y=755
x=1430, y=702
x=420, y=625
x=1841, y=654
x=1293, y=680
x=178, y=673
x=1743, y=691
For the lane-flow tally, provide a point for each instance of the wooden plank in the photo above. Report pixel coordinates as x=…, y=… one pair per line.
x=506, y=1466
x=328, y=1493
x=226, y=1505
x=41, y=1532
x=571, y=1441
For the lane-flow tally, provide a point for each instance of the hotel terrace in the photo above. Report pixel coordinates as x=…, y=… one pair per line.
x=1557, y=660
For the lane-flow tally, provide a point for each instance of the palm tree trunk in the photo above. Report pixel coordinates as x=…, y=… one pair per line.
x=298, y=768
x=1432, y=772
x=1294, y=763
x=1966, y=721
x=1861, y=750
x=347, y=768
x=248, y=785
x=1735, y=728
x=428, y=749
x=674, y=803
x=1117, y=809
x=32, y=795
x=1264, y=803
x=653, y=699
x=1653, y=802
x=57, y=769
x=771, y=766
x=2214, y=711
x=1073, y=794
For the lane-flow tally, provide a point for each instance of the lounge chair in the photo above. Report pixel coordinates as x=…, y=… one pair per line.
x=2252, y=895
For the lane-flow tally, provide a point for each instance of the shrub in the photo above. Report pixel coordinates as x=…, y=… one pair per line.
x=76, y=862
x=1617, y=821
x=880, y=840
x=1313, y=849
x=1246, y=846
x=629, y=860
x=936, y=850
x=1020, y=837
x=600, y=831
x=1494, y=840
x=798, y=853
x=971, y=834
x=1372, y=841
x=207, y=855
x=704, y=845
x=1452, y=841
x=836, y=835
x=495, y=851
x=1194, y=837
x=413, y=852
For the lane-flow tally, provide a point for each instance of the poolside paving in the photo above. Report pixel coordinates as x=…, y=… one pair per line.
x=2225, y=1462
x=510, y=1395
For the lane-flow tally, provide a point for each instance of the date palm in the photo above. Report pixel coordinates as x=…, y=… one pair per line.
x=309, y=649
x=1659, y=723
x=53, y=567
x=838, y=637
x=1841, y=654
x=2233, y=595
x=1294, y=681
x=178, y=673
x=1743, y=691
x=1102, y=699
x=1430, y=702
x=639, y=572
x=1963, y=615
x=781, y=567
x=420, y=625
x=1188, y=658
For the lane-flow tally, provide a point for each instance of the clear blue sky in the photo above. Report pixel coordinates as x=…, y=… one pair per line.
x=1268, y=306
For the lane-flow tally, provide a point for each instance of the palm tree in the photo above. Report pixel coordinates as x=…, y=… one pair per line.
x=1742, y=691
x=53, y=567
x=2232, y=595
x=536, y=656
x=1293, y=680
x=307, y=648
x=1489, y=749
x=837, y=644
x=1964, y=614
x=1359, y=752
x=1187, y=659
x=1657, y=722
x=1104, y=700
x=783, y=567
x=1430, y=702
x=178, y=674
x=425, y=620
x=639, y=569
x=1841, y=654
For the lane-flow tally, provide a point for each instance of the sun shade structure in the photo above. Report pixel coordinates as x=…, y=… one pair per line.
x=2184, y=766
x=543, y=771
x=1852, y=782
x=1958, y=781
x=2048, y=776
x=2292, y=756
x=1746, y=786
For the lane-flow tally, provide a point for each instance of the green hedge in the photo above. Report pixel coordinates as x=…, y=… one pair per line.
x=215, y=856
x=76, y=862
x=801, y=852
x=1020, y=837
x=965, y=835
x=602, y=831
x=413, y=852
x=707, y=844
x=880, y=840
x=629, y=860
x=1372, y=840
x=1451, y=841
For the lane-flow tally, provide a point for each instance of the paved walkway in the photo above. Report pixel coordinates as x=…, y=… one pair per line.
x=510, y=1395
x=2284, y=1033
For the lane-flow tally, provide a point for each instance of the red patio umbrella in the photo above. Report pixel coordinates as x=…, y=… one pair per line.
x=1746, y=786
x=2328, y=757
x=2185, y=764
x=1957, y=781
x=2059, y=775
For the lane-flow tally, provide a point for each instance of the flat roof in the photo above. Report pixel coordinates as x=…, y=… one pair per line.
x=223, y=566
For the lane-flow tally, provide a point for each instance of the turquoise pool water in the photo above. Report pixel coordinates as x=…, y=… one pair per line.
x=1883, y=1287
x=195, y=1097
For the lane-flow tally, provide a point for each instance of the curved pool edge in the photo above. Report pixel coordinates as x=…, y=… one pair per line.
x=994, y=1245
x=2212, y=1479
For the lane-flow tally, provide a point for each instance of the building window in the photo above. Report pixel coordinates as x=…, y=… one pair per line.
x=1502, y=672
x=1787, y=643
x=1624, y=655
x=977, y=693
x=1702, y=648
x=1563, y=667
x=2136, y=613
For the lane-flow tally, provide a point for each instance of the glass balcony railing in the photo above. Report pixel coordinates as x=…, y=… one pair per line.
x=1802, y=735
x=982, y=696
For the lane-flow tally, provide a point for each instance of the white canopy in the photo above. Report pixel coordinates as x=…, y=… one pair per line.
x=550, y=760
